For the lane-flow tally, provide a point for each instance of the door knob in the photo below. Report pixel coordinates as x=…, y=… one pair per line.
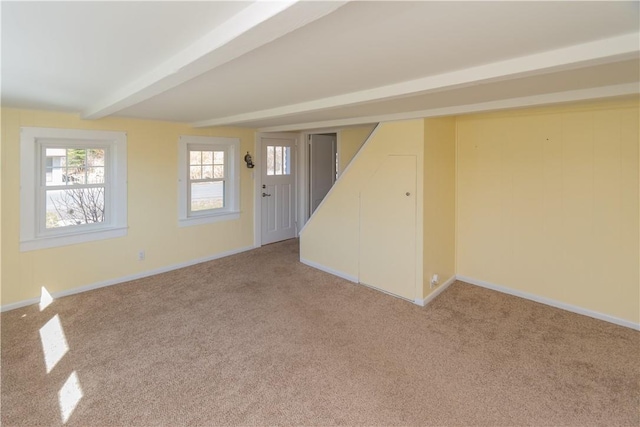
x=266, y=195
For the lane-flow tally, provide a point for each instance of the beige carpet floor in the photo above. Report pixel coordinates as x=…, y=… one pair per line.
x=260, y=339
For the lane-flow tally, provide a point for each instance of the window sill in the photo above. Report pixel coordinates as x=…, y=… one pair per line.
x=208, y=219
x=72, y=239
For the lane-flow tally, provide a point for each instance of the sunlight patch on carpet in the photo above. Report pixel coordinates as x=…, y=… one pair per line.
x=69, y=396
x=54, y=343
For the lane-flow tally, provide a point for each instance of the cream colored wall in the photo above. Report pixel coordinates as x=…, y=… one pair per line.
x=330, y=238
x=2, y=168
x=350, y=141
x=152, y=150
x=439, y=200
x=547, y=204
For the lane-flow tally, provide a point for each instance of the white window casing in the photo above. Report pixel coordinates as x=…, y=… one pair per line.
x=231, y=194
x=36, y=172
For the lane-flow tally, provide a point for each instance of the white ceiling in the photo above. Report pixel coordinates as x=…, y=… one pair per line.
x=300, y=65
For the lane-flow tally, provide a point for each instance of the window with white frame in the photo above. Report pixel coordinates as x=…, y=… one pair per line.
x=73, y=186
x=208, y=179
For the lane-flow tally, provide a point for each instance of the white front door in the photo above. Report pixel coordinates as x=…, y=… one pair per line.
x=322, y=168
x=277, y=188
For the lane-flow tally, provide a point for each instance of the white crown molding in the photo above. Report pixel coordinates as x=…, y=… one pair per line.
x=249, y=29
x=598, y=52
x=503, y=104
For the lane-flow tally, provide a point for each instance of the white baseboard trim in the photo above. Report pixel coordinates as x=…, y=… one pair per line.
x=329, y=270
x=550, y=302
x=438, y=291
x=129, y=278
x=19, y=304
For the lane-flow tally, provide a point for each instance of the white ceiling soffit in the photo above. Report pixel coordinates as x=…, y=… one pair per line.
x=66, y=56
x=602, y=81
x=376, y=51
x=101, y=57
x=574, y=57
x=249, y=29
x=294, y=64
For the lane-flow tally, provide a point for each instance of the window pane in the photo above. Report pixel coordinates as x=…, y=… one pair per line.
x=196, y=172
x=95, y=157
x=76, y=166
x=207, y=172
x=207, y=157
x=74, y=206
x=74, y=176
x=56, y=152
x=207, y=195
x=58, y=176
x=195, y=157
x=55, y=158
x=218, y=171
x=73, y=166
x=76, y=157
x=95, y=175
x=218, y=157
x=48, y=170
x=278, y=160
x=270, y=160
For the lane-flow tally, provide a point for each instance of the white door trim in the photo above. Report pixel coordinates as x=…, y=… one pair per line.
x=257, y=206
x=310, y=164
x=303, y=168
x=257, y=181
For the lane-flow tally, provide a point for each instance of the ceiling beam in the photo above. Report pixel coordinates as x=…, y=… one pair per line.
x=603, y=92
x=249, y=29
x=587, y=54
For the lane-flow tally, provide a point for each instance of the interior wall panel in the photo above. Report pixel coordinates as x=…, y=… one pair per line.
x=548, y=205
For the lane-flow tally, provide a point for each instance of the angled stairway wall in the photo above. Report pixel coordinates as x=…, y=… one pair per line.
x=349, y=142
x=331, y=239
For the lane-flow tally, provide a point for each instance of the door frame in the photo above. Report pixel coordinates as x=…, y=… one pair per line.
x=257, y=180
x=334, y=169
x=304, y=177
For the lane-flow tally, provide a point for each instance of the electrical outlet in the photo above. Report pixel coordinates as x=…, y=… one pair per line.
x=434, y=280
x=141, y=255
